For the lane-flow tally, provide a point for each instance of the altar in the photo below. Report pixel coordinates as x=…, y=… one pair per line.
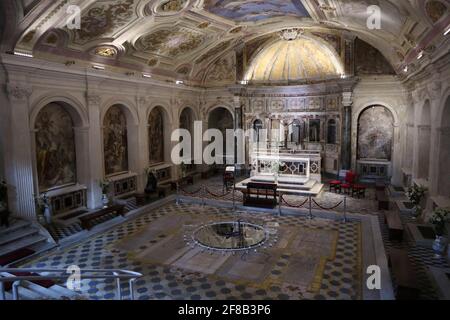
x=296, y=172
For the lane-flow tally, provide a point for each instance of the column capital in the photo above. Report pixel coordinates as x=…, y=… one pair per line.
x=18, y=92
x=347, y=99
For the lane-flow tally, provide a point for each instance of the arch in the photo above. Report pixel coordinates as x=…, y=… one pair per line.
x=127, y=106
x=444, y=151
x=115, y=140
x=211, y=108
x=424, y=141
x=194, y=112
x=157, y=127
x=70, y=103
x=222, y=119
x=55, y=147
x=375, y=133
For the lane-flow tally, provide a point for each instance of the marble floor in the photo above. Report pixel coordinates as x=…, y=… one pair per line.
x=312, y=259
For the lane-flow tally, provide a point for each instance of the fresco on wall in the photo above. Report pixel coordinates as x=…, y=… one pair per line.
x=115, y=141
x=156, y=136
x=255, y=10
x=369, y=60
x=55, y=148
x=375, y=134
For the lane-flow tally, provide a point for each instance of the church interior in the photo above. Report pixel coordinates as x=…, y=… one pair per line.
x=334, y=183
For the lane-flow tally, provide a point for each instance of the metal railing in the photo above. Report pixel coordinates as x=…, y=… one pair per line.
x=63, y=275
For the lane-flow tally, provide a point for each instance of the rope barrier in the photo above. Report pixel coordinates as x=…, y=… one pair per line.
x=323, y=208
x=291, y=205
x=216, y=195
x=192, y=193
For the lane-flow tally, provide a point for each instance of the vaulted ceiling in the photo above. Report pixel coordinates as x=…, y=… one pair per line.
x=184, y=38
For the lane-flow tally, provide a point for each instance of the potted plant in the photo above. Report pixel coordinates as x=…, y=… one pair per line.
x=415, y=195
x=105, y=186
x=438, y=220
x=4, y=212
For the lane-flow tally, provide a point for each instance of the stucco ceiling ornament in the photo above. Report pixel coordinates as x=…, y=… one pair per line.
x=107, y=52
x=291, y=34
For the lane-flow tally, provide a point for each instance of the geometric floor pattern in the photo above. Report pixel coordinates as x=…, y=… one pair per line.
x=313, y=259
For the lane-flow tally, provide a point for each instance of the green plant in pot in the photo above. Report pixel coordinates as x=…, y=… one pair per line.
x=105, y=186
x=415, y=195
x=43, y=208
x=439, y=220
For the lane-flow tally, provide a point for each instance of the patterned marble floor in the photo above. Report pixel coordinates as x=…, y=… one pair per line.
x=313, y=259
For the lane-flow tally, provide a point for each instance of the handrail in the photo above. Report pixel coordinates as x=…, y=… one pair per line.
x=117, y=274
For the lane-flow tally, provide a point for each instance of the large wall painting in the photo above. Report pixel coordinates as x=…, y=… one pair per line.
x=248, y=11
x=55, y=148
x=156, y=136
x=375, y=134
x=369, y=60
x=115, y=141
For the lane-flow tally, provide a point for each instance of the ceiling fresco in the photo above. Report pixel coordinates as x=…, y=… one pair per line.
x=255, y=10
x=162, y=35
x=171, y=42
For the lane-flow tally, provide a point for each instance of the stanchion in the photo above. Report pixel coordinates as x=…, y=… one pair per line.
x=280, y=201
x=345, y=210
x=234, y=200
x=203, y=195
x=178, y=194
x=310, y=216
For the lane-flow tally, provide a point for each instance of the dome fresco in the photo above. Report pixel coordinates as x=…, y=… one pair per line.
x=302, y=58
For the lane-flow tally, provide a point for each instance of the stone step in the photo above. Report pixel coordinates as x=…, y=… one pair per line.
x=17, y=234
x=27, y=294
x=44, y=293
x=14, y=226
x=22, y=243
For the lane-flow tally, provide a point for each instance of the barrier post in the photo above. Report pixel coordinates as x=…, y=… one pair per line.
x=234, y=200
x=178, y=195
x=345, y=209
x=203, y=188
x=280, y=202
x=310, y=216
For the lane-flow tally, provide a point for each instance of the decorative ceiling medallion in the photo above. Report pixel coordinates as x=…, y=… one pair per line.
x=204, y=25
x=168, y=7
x=236, y=30
x=435, y=10
x=107, y=52
x=291, y=34
x=152, y=62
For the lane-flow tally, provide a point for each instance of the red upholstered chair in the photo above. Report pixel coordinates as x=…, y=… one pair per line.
x=335, y=185
x=359, y=190
x=350, y=178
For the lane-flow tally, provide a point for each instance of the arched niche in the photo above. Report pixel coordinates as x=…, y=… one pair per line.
x=116, y=140
x=156, y=136
x=410, y=125
x=424, y=141
x=221, y=118
x=375, y=134
x=56, y=145
x=444, y=152
x=332, y=131
x=187, y=119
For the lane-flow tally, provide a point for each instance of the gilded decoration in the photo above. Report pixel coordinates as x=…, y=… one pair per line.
x=435, y=10
x=297, y=59
x=171, y=42
x=107, y=52
x=115, y=141
x=55, y=148
x=172, y=6
x=105, y=17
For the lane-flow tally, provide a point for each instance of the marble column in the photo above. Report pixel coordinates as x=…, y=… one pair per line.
x=96, y=165
x=238, y=124
x=346, y=147
x=21, y=197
